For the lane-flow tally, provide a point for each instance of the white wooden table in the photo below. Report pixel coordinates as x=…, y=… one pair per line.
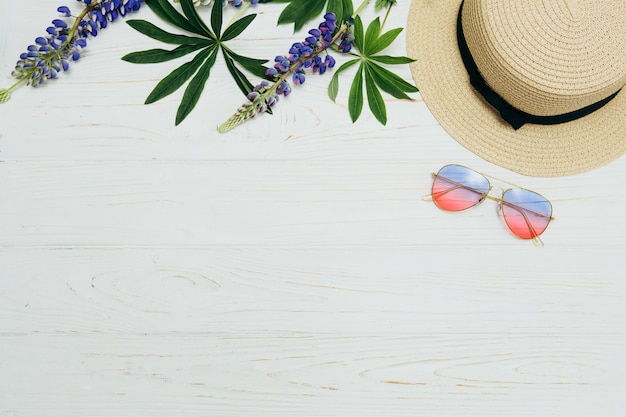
x=288, y=267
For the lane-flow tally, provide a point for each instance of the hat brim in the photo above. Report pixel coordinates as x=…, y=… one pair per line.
x=535, y=150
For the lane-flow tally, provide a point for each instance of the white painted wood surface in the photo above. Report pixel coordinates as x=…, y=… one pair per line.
x=286, y=268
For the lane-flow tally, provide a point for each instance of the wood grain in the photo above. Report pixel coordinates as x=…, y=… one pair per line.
x=376, y=291
x=289, y=267
x=313, y=374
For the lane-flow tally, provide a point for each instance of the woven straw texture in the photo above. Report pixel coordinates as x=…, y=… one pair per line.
x=545, y=58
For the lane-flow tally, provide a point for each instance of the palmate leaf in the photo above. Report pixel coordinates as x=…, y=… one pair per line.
x=380, y=4
x=374, y=98
x=159, y=34
x=371, y=34
x=237, y=27
x=355, y=99
x=153, y=56
x=209, y=41
x=392, y=60
x=216, y=17
x=252, y=65
x=192, y=15
x=383, y=41
x=300, y=12
x=357, y=31
x=390, y=82
x=371, y=74
x=342, y=9
x=333, y=86
x=195, y=87
x=166, y=12
x=240, y=79
x=179, y=76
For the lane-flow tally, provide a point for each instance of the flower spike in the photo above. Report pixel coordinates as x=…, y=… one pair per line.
x=64, y=41
x=302, y=55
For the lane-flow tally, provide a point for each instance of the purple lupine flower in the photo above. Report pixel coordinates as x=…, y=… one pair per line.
x=236, y=3
x=298, y=77
x=51, y=54
x=307, y=53
x=347, y=38
x=301, y=56
x=283, y=89
x=64, y=10
x=329, y=61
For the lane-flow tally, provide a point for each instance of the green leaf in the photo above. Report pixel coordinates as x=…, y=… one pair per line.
x=178, y=77
x=153, y=56
x=358, y=33
x=255, y=66
x=341, y=8
x=235, y=29
x=374, y=99
x=392, y=60
x=376, y=78
x=373, y=30
x=355, y=99
x=333, y=86
x=386, y=85
x=216, y=18
x=336, y=7
x=389, y=77
x=299, y=12
x=195, y=88
x=159, y=34
x=166, y=11
x=240, y=79
x=194, y=19
x=383, y=41
x=384, y=3
x=209, y=45
x=348, y=9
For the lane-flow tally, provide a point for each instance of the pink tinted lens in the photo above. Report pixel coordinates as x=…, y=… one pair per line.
x=458, y=188
x=526, y=213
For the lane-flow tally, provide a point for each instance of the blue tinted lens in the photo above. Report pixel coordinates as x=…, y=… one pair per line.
x=529, y=200
x=526, y=213
x=458, y=188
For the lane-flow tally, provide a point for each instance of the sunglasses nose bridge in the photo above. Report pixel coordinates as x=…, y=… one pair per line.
x=502, y=190
x=498, y=197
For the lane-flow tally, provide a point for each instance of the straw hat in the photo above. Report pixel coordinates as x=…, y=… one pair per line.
x=540, y=61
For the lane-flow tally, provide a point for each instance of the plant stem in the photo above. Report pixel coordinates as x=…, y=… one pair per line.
x=248, y=109
x=17, y=83
x=239, y=117
x=5, y=93
x=360, y=8
x=386, y=16
x=242, y=9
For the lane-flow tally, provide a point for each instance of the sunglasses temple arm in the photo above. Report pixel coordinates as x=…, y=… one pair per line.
x=429, y=197
x=537, y=242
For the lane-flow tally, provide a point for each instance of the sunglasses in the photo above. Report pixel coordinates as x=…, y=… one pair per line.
x=526, y=213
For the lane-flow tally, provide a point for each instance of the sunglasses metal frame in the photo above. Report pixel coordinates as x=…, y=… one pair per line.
x=487, y=195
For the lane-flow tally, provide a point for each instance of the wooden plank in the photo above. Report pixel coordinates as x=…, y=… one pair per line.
x=378, y=291
x=278, y=203
x=275, y=374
